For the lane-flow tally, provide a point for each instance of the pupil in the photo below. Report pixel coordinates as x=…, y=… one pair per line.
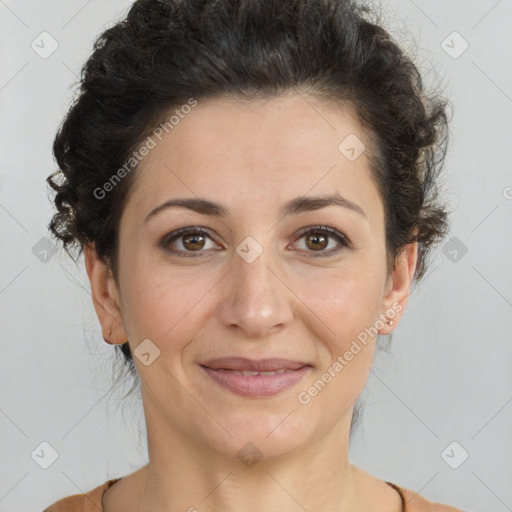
x=194, y=242
x=316, y=238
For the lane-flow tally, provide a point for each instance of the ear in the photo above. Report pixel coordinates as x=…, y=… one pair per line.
x=398, y=286
x=105, y=297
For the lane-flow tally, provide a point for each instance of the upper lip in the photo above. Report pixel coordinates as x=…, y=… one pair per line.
x=261, y=365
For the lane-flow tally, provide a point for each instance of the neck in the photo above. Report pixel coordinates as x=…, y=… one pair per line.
x=183, y=475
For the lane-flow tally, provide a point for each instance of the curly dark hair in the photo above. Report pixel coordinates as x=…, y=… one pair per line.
x=167, y=51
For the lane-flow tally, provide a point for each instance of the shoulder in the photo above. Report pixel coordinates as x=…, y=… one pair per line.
x=88, y=502
x=416, y=503
x=410, y=500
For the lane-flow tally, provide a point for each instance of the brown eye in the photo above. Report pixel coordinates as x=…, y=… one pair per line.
x=317, y=239
x=192, y=240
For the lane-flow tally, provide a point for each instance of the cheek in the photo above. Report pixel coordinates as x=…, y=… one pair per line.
x=346, y=301
x=346, y=349
x=345, y=307
x=164, y=305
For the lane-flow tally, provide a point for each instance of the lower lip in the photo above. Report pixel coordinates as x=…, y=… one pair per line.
x=257, y=385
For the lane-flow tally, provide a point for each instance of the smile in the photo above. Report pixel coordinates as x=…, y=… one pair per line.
x=253, y=384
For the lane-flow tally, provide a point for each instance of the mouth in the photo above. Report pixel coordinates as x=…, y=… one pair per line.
x=241, y=364
x=251, y=378
x=249, y=373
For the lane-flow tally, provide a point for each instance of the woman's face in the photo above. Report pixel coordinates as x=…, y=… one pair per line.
x=263, y=281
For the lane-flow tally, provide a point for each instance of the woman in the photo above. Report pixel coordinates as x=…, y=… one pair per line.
x=253, y=186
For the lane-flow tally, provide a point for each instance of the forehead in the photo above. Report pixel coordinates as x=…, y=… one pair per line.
x=257, y=155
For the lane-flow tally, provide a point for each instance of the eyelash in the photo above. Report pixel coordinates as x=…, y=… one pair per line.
x=170, y=237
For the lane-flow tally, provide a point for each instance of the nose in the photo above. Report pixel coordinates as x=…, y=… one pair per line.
x=257, y=301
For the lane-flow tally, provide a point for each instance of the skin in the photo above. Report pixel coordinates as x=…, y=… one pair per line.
x=251, y=157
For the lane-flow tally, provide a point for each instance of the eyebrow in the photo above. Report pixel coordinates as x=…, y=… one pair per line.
x=292, y=207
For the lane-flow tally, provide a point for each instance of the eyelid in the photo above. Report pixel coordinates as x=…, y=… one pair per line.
x=181, y=232
x=342, y=240
x=333, y=232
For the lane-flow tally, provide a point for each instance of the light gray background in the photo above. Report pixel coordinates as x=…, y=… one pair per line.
x=448, y=376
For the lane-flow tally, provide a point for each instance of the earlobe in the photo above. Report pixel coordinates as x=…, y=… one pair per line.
x=399, y=284
x=105, y=297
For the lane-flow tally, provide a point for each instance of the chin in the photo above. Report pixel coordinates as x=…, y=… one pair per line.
x=261, y=435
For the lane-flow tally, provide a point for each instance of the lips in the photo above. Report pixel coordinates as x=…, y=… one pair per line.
x=253, y=366
x=250, y=373
x=256, y=378
x=256, y=384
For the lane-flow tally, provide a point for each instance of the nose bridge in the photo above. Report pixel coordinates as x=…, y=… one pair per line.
x=254, y=277
x=256, y=300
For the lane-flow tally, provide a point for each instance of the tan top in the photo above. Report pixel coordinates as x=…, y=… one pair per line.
x=91, y=501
